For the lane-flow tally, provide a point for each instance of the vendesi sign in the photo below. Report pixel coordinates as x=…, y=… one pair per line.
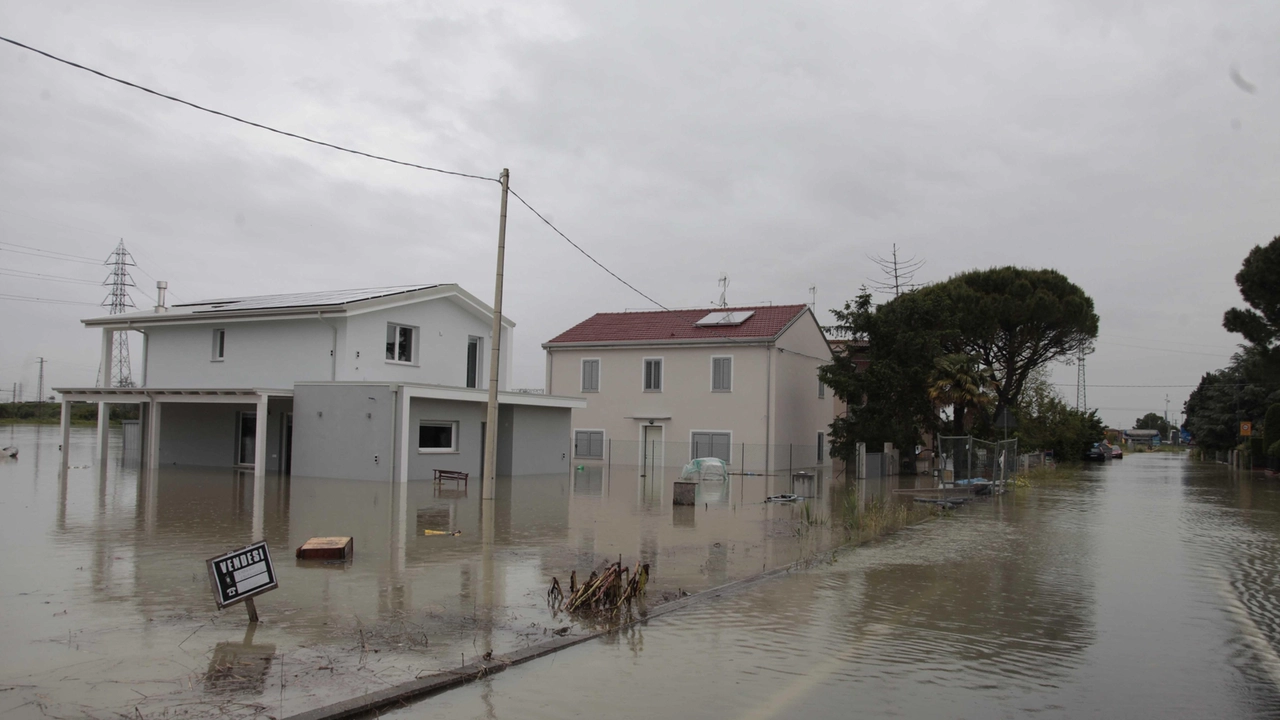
x=241, y=574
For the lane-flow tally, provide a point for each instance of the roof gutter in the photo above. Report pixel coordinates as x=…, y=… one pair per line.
x=689, y=342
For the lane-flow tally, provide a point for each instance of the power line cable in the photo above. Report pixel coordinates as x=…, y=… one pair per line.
x=50, y=257
x=69, y=256
x=24, y=298
x=584, y=252
x=241, y=120
x=50, y=278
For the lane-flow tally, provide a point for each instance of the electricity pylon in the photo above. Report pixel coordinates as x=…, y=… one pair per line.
x=118, y=301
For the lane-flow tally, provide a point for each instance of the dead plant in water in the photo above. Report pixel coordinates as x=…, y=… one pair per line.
x=605, y=594
x=879, y=517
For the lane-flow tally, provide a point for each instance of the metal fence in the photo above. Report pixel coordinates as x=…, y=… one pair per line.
x=744, y=458
x=966, y=459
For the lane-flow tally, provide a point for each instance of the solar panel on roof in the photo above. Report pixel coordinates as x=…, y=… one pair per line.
x=722, y=318
x=290, y=300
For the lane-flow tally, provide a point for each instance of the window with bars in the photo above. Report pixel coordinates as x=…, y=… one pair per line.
x=721, y=374
x=588, y=444
x=653, y=374
x=591, y=375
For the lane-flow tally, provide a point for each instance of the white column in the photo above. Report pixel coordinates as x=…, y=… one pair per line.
x=108, y=338
x=153, y=435
x=260, y=441
x=104, y=423
x=402, y=460
x=65, y=427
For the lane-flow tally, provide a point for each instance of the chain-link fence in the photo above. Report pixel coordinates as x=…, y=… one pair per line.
x=741, y=458
x=965, y=460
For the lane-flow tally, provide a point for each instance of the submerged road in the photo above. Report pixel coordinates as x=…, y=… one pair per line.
x=1145, y=587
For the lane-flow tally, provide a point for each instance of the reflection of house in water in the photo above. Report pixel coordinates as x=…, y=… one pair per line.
x=358, y=384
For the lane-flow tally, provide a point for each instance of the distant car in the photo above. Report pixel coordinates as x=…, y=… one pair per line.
x=1117, y=452
x=1097, y=452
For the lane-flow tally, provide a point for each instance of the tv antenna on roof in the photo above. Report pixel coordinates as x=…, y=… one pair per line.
x=724, y=287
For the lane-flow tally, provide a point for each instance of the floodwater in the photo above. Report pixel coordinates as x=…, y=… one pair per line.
x=1145, y=587
x=105, y=603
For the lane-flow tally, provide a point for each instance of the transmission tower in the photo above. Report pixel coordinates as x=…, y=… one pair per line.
x=1081, y=404
x=118, y=301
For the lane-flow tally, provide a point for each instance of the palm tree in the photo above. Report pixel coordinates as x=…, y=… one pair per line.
x=959, y=381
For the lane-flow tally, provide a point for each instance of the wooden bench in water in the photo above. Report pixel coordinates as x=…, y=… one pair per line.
x=454, y=475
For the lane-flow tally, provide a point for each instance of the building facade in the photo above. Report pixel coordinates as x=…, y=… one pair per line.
x=664, y=387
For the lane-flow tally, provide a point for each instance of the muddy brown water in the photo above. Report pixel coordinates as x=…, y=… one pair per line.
x=1145, y=587
x=105, y=602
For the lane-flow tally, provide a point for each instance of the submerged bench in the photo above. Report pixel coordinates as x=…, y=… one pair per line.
x=454, y=475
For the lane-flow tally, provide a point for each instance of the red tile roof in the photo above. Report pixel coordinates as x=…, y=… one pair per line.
x=672, y=325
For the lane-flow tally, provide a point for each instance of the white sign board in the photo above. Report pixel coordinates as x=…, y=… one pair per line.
x=241, y=574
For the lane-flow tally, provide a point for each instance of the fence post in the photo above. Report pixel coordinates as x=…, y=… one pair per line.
x=608, y=453
x=790, y=462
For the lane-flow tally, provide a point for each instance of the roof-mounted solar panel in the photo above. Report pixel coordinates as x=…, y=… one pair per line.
x=722, y=318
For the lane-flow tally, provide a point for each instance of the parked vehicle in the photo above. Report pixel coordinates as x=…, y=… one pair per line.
x=1117, y=452
x=1097, y=452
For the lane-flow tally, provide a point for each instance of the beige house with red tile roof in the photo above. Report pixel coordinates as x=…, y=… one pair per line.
x=738, y=383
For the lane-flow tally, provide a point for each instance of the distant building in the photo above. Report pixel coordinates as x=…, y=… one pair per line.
x=737, y=383
x=364, y=384
x=1149, y=438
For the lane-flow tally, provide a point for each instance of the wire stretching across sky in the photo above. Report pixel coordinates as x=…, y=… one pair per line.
x=322, y=143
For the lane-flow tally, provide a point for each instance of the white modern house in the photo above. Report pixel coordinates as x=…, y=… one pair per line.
x=738, y=383
x=383, y=383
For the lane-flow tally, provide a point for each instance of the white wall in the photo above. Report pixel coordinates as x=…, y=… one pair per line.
x=343, y=431
x=266, y=354
x=444, y=329
x=799, y=413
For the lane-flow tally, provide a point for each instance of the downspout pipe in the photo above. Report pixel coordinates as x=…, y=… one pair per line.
x=333, y=353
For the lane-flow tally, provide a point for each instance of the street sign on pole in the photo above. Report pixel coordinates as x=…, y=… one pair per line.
x=1246, y=429
x=241, y=574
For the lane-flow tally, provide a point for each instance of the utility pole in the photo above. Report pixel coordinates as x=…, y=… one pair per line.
x=1081, y=404
x=40, y=391
x=489, y=479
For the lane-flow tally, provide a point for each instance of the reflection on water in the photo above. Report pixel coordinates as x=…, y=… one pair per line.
x=1142, y=588
x=111, y=575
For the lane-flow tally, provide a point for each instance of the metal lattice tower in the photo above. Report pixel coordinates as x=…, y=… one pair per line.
x=118, y=301
x=1081, y=404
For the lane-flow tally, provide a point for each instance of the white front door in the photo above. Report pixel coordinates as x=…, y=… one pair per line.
x=651, y=449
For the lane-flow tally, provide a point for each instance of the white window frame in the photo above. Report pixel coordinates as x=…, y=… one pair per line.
x=662, y=368
x=479, y=378
x=822, y=390
x=582, y=374
x=604, y=443
x=413, y=344
x=219, y=345
x=714, y=358
x=715, y=432
x=453, y=437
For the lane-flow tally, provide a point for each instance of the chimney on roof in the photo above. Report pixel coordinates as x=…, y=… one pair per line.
x=161, y=286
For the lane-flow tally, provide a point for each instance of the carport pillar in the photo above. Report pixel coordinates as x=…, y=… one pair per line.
x=64, y=425
x=402, y=451
x=153, y=435
x=104, y=423
x=260, y=441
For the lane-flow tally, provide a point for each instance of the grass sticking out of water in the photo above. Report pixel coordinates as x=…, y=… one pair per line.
x=880, y=516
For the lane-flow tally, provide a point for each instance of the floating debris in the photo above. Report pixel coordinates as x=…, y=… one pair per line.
x=604, y=593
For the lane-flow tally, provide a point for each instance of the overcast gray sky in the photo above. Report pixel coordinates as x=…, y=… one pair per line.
x=1131, y=145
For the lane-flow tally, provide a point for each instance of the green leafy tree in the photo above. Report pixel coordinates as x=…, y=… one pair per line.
x=1152, y=421
x=1015, y=321
x=1227, y=397
x=1271, y=430
x=1259, y=283
x=889, y=401
x=1047, y=422
x=960, y=382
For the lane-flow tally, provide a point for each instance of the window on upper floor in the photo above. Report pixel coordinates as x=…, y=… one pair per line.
x=591, y=375
x=473, y=361
x=400, y=343
x=721, y=374
x=653, y=374
x=822, y=390
x=588, y=444
x=219, y=344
